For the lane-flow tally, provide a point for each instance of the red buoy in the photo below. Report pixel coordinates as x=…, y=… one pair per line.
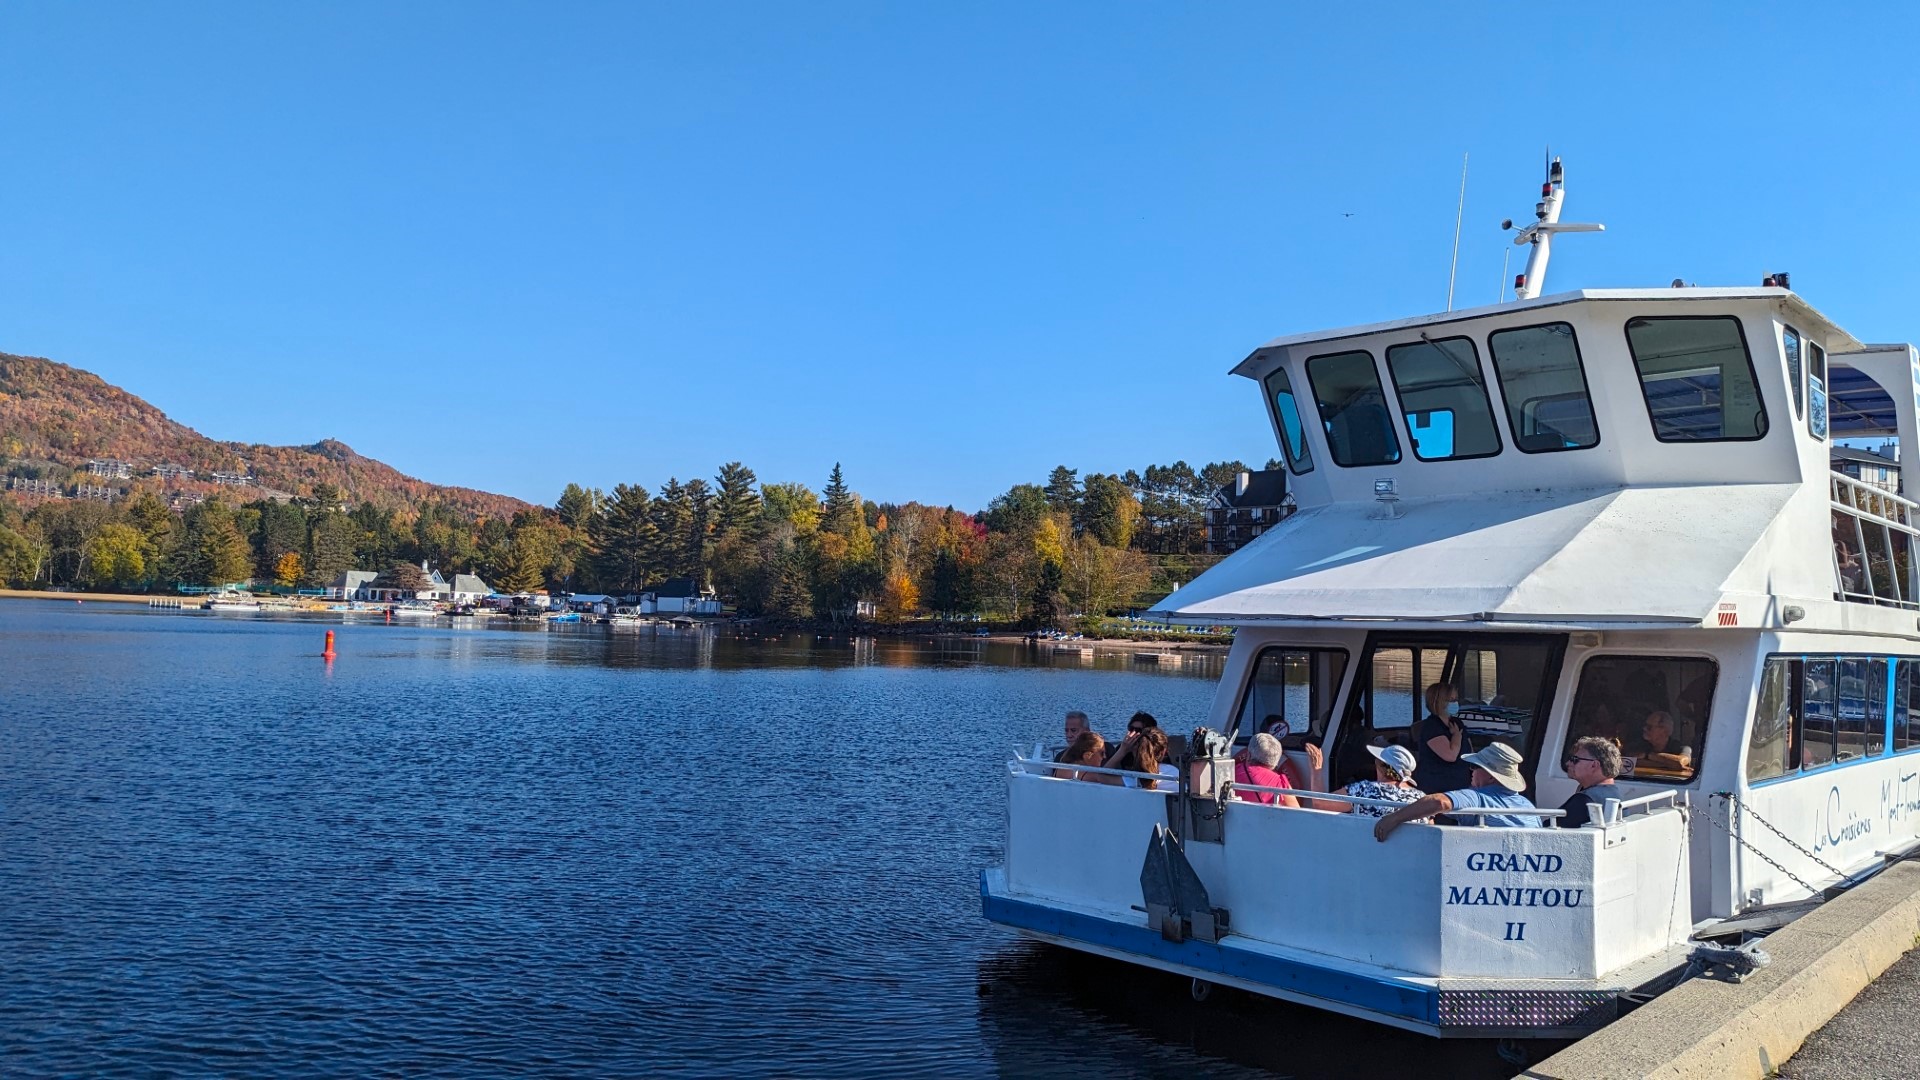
x=329, y=653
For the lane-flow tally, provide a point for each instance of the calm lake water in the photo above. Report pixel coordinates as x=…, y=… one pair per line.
x=461, y=852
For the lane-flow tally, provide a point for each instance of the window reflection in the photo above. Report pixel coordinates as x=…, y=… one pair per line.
x=1443, y=399
x=1653, y=707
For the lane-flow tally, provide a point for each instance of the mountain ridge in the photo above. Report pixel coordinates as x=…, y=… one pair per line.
x=54, y=413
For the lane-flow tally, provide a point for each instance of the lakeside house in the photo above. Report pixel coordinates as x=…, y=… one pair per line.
x=359, y=585
x=680, y=596
x=1876, y=467
x=1255, y=502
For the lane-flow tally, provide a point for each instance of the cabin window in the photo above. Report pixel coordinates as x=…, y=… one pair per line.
x=1401, y=675
x=1770, y=743
x=1816, y=390
x=1906, y=705
x=1545, y=388
x=1790, y=344
x=1858, y=704
x=1817, y=714
x=1294, y=685
x=1653, y=707
x=1443, y=399
x=1697, y=377
x=1353, y=409
x=1286, y=411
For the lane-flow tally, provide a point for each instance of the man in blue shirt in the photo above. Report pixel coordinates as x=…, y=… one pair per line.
x=1496, y=785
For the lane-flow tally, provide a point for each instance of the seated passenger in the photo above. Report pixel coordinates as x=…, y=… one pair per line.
x=1497, y=783
x=1144, y=750
x=1278, y=727
x=1076, y=726
x=1261, y=768
x=1392, y=781
x=1657, y=750
x=1088, y=749
x=1593, y=763
x=1141, y=721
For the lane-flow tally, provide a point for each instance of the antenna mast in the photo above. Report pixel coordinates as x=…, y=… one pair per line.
x=1454, y=268
x=1540, y=234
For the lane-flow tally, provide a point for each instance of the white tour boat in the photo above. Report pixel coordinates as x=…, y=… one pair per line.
x=1577, y=510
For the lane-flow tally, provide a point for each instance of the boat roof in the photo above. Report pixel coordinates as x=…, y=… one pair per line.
x=1507, y=557
x=1838, y=340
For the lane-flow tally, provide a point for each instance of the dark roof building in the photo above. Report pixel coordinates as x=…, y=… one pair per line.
x=1242, y=510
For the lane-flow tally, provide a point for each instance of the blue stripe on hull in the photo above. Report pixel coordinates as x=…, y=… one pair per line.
x=1418, y=1004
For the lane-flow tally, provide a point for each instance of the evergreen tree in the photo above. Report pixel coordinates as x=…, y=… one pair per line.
x=736, y=506
x=789, y=596
x=578, y=506
x=1063, y=492
x=282, y=530
x=213, y=551
x=625, y=540
x=839, y=511
x=332, y=542
x=1049, y=605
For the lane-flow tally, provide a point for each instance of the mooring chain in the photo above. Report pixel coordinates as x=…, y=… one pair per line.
x=1727, y=827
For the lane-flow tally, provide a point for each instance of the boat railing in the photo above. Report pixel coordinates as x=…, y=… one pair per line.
x=1616, y=809
x=1388, y=804
x=1039, y=767
x=1874, y=533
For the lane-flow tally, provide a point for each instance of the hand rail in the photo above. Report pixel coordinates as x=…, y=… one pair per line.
x=1036, y=767
x=1359, y=800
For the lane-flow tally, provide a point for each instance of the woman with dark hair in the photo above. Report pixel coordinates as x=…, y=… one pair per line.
x=1440, y=741
x=1144, y=750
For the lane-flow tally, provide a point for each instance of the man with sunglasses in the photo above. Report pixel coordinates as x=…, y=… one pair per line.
x=1592, y=763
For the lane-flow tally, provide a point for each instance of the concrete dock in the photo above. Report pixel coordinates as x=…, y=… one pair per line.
x=1820, y=963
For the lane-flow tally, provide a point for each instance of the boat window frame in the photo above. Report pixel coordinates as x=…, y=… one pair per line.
x=1280, y=421
x=1406, y=416
x=1506, y=400
x=1796, y=368
x=1825, y=430
x=1253, y=670
x=1740, y=331
x=1700, y=737
x=1319, y=409
x=1890, y=725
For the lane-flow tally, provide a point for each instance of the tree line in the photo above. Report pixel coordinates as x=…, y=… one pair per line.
x=1037, y=553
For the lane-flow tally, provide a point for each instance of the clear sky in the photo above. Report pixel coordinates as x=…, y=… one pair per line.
x=951, y=246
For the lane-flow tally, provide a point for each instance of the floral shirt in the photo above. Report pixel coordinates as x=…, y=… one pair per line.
x=1374, y=789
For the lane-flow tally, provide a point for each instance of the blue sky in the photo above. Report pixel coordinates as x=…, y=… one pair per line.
x=951, y=246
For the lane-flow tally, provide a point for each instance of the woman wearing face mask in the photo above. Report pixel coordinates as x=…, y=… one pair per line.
x=1440, y=741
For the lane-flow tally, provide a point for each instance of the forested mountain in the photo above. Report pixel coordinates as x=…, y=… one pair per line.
x=55, y=418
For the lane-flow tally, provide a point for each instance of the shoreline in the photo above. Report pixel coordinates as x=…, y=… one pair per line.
x=80, y=597
x=1000, y=637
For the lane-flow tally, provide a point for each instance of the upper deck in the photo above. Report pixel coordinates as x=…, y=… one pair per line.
x=1653, y=456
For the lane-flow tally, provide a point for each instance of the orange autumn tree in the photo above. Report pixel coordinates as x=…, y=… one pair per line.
x=900, y=599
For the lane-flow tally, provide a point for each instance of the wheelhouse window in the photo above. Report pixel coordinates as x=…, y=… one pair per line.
x=1654, y=708
x=1770, y=743
x=1790, y=345
x=1296, y=686
x=1286, y=412
x=1443, y=399
x=1545, y=388
x=1353, y=409
x=1697, y=377
x=1816, y=390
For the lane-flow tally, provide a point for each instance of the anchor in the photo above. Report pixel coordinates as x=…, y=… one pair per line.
x=1176, y=900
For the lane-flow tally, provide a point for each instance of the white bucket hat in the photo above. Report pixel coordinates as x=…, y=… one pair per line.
x=1398, y=758
x=1502, y=762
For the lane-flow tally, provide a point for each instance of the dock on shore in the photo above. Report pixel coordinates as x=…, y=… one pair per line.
x=91, y=597
x=1708, y=1028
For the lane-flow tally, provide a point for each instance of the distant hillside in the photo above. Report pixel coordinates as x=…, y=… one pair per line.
x=55, y=413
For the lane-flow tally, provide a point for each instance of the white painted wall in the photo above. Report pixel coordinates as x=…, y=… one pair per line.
x=1319, y=882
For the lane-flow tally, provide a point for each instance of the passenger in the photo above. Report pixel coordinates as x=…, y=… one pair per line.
x=1141, y=721
x=1144, y=750
x=1657, y=749
x=1441, y=742
x=1278, y=727
x=1497, y=783
x=1262, y=769
x=1088, y=749
x=1076, y=725
x=1593, y=764
x=1393, y=769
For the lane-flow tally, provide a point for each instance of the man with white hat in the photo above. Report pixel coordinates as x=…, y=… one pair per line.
x=1496, y=785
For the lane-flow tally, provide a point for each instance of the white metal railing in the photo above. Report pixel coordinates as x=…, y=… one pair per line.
x=1877, y=570
x=1035, y=767
x=1387, y=804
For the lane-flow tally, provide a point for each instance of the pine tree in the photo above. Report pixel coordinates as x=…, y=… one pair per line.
x=1063, y=492
x=841, y=509
x=736, y=506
